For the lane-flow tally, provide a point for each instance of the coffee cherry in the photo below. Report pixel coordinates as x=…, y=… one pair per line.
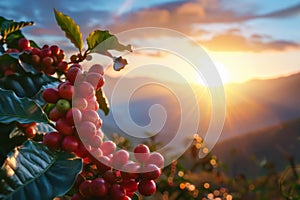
x=66, y=90
x=103, y=164
x=30, y=132
x=84, y=189
x=77, y=196
x=86, y=128
x=99, y=187
x=70, y=143
x=62, y=66
x=23, y=44
x=130, y=170
x=147, y=187
x=85, y=89
x=119, y=158
x=117, y=192
x=74, y=74
x=130, y=185
x=52, y=140
x=97, y=69
x=91, y=115
x=73, y=116
x=50, y=95
x=157, y=159
x=63, y=105
x=55, y=115
x=55, y=50
x=150, y=172
x=80, y=103
x=141, y=153
x=63, y=127
x=47, y=61
x=110, y=176
x=95, y=79
x=108, y=147
x=35, y=59
x=45, y=52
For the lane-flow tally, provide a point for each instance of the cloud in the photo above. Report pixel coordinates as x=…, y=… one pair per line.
x=256, y=43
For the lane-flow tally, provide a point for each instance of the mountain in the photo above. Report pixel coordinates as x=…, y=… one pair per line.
x=251, y=153
x=250, y=106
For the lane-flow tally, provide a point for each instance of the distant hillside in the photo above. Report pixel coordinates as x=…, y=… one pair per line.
x=250, y=106
x=246, y=153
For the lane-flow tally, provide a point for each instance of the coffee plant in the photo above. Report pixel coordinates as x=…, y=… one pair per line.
x=50, y=131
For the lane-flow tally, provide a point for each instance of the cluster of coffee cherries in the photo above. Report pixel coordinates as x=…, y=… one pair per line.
x=108, y=173
x=29, y=130
x=117, y=177
x=74, y=109
x=49, y=59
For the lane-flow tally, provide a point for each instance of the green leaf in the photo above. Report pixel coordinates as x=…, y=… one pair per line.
x=23, y=110
x=9, y=26
x=28, y=84
x=100, y=41
x=32, y=171
x=71, y=29
x=102, y=100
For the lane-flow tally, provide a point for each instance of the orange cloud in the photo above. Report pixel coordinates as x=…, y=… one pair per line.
x=236, y=42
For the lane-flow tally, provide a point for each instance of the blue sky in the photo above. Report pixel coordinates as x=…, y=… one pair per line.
x=223, y=27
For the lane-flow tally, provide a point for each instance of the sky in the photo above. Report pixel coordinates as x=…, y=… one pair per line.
x=246, y=39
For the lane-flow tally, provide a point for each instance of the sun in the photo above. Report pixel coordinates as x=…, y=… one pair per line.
x=222, y=72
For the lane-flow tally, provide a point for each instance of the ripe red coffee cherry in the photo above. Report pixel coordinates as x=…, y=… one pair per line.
x=94, y=141
x=130, y=170
x=55, y=115
x=117, y=192
x=45, y=52
x=52, y=140
x=86, y=129
x=108, y=147
x=141, y=153
x=147, y=187
x=50, y=70
x=47, y=61
x=35, y=51
x=66, y=91
x=23, y=44
x=77, y=196
x=91, y=115
x=55, y=50
x=99, y=187
x=95, y=79
x=157, y=159
x=63, y=127
x=150, y=172
x=130, y=185
x=62, y=66
x=35, y=59
x=70, y=143
x=50, y=95
x=103, y=164
x=110, y=176
x=84, y=189
x=120, y=158
x=97, y=69
x=30, y=132
x=63, y=105
x=80, y=103
x=86, y=90
x=74, y=75
x=73, y=116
